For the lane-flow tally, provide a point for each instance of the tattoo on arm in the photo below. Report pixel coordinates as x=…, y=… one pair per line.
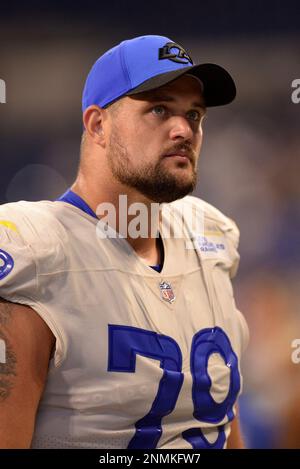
x=8, y=364
x=5, y=312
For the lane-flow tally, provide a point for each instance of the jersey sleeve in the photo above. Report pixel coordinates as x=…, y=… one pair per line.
x=228, y=233
x=216, y=236
x=232, y=234
x=228, y=265
x=216, y=241
x=18, y=282
x=28, y=247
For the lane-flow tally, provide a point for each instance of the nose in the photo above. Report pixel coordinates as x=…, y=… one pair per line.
x=180, y=129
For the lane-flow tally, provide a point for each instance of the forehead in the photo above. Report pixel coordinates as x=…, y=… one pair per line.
x=185, y=87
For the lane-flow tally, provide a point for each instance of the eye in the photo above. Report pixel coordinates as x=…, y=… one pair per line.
x=194, y=115
x=159, y=110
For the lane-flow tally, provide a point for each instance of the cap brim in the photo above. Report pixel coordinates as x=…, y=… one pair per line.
x=218, y=86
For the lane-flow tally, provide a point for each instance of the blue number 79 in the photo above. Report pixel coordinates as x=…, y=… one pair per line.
x=126, y=342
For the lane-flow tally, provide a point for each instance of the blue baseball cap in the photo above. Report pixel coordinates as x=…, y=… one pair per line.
x=148, y=62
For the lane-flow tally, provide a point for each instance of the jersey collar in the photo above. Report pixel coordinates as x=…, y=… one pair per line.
x=74, y=199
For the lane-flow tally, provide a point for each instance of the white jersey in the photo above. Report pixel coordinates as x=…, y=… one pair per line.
x=143, y=359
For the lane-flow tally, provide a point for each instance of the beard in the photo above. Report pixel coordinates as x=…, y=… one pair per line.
x=153, y=180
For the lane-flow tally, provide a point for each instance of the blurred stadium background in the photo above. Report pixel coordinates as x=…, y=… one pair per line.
x=250, y=164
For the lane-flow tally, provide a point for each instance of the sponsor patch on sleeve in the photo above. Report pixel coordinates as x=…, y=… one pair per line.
x=212, y=246
x=6, y=264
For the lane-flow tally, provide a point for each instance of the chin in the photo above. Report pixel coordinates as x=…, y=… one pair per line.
x=172, y=195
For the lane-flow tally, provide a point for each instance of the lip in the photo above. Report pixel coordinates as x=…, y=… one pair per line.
x=180, y=156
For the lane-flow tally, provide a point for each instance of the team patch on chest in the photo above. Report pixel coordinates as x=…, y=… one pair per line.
x=167, y=292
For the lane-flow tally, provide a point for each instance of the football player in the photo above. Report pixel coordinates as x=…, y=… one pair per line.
x=118, y=323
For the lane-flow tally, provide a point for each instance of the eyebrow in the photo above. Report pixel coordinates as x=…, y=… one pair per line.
x=165, y=98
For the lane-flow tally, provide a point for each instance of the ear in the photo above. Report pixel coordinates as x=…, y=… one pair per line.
x=93, y=120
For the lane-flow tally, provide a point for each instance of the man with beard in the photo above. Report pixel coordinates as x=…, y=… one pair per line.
x=116, y=332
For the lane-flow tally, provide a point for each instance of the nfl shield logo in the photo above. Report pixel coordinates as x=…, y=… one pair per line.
x=166, y=292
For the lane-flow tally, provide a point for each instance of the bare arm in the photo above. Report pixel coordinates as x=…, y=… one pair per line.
x=26, y=343
x=235, y=440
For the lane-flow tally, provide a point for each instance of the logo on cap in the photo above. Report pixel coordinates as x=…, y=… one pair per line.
x=179, y=56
